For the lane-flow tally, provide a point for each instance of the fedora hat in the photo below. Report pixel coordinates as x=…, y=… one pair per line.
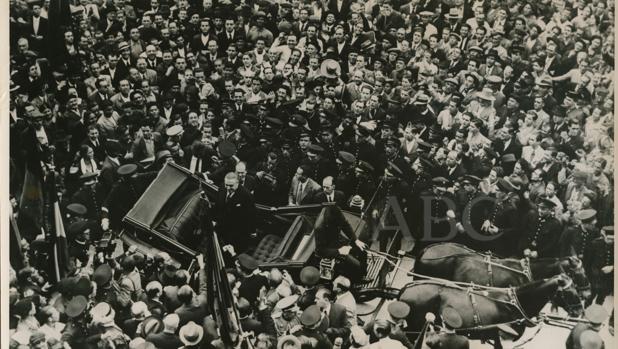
x=453, y=13
x=289, y=341
x=486, y=94
x=330, y=69
x=191, y=333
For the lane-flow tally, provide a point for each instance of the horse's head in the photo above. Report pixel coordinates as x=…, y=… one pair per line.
x=567, y=296
x=574, y=268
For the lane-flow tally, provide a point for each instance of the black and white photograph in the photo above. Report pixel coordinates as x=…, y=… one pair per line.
x=308, y=174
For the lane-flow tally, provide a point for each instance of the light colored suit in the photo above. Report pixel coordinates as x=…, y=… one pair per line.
x=310, y=189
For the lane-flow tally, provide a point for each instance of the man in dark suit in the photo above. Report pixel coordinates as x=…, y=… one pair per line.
x=336, y=323
x=340, y=8
x=454, y=170
x=507, y=143
x=193, y=308
x=229, y=35
x=110, y=165
x=200, y=41
x=251, y=322
x=94, y=142
x=146, y=146
x=388, y=18
x=37, y=28
x=168, y=338
x=232, y=203
x=329, y=194
x=102, y=92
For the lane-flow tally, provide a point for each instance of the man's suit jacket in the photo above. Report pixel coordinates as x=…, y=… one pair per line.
x=139, y=147
x=320, y=197
x=99, y=151
x=337, y=321
x=455, y=174
x=309, y=191
x=483, y=69
x=345, y=9
x=224, y=41
x=108, y=173
x=233, y=230
x=150, y=75
x=197, y=45
x=95, y=97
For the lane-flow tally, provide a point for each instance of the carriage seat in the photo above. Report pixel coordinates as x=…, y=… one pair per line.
x=182, y=219
x=267, y=248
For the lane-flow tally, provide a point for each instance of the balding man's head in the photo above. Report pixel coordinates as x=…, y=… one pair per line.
x=327, y=185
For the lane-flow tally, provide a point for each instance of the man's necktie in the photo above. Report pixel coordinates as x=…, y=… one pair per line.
x=299, y=192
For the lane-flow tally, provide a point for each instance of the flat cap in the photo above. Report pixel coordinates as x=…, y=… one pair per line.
x=287, y=303
x=76, y=306
x=315, y=149
x=226, y=149
x=471, y=179
x=309, y=276
x=440, y=181
x=310, y=316
x=347, y=157
x=77, y=209
x=247, y=262
x=103, y=274
x=398, y=310
x=543, y=200
x=127, y=170
x=365, y=166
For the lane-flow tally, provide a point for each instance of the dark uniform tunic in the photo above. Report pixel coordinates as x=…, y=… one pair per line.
x=543, y=235
x=603, y=255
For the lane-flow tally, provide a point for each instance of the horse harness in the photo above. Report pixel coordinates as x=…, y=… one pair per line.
x=525, y=264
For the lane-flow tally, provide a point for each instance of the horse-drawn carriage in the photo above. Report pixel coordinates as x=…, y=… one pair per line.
x=170, y=214
x=167, y=217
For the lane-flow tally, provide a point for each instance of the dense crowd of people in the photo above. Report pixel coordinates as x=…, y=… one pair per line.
x=489, y=122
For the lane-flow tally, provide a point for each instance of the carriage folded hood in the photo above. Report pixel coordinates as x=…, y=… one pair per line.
x=146, y=211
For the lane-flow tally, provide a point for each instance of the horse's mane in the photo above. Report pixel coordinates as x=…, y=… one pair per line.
x=439, y=251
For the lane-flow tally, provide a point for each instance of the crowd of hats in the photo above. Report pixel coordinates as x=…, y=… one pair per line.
x=421, y=77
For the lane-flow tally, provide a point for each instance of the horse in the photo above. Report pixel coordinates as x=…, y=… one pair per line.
x=459, y=263
x=483, y=310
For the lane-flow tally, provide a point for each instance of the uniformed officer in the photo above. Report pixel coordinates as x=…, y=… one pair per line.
x=321, y=166
x=436, y=203
x=504, y=218
x=285, y=315
x=398, y=312
x=447, y=338
x=309, y=277
x=577, y=238
x=91, y=195
x=252, y=281
x=599, y=265
x=596, y=315
x=76, y=330
x=310, y=319
x=543, y=230
x=121, y=198
x=345, y=172
x=394, y=186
